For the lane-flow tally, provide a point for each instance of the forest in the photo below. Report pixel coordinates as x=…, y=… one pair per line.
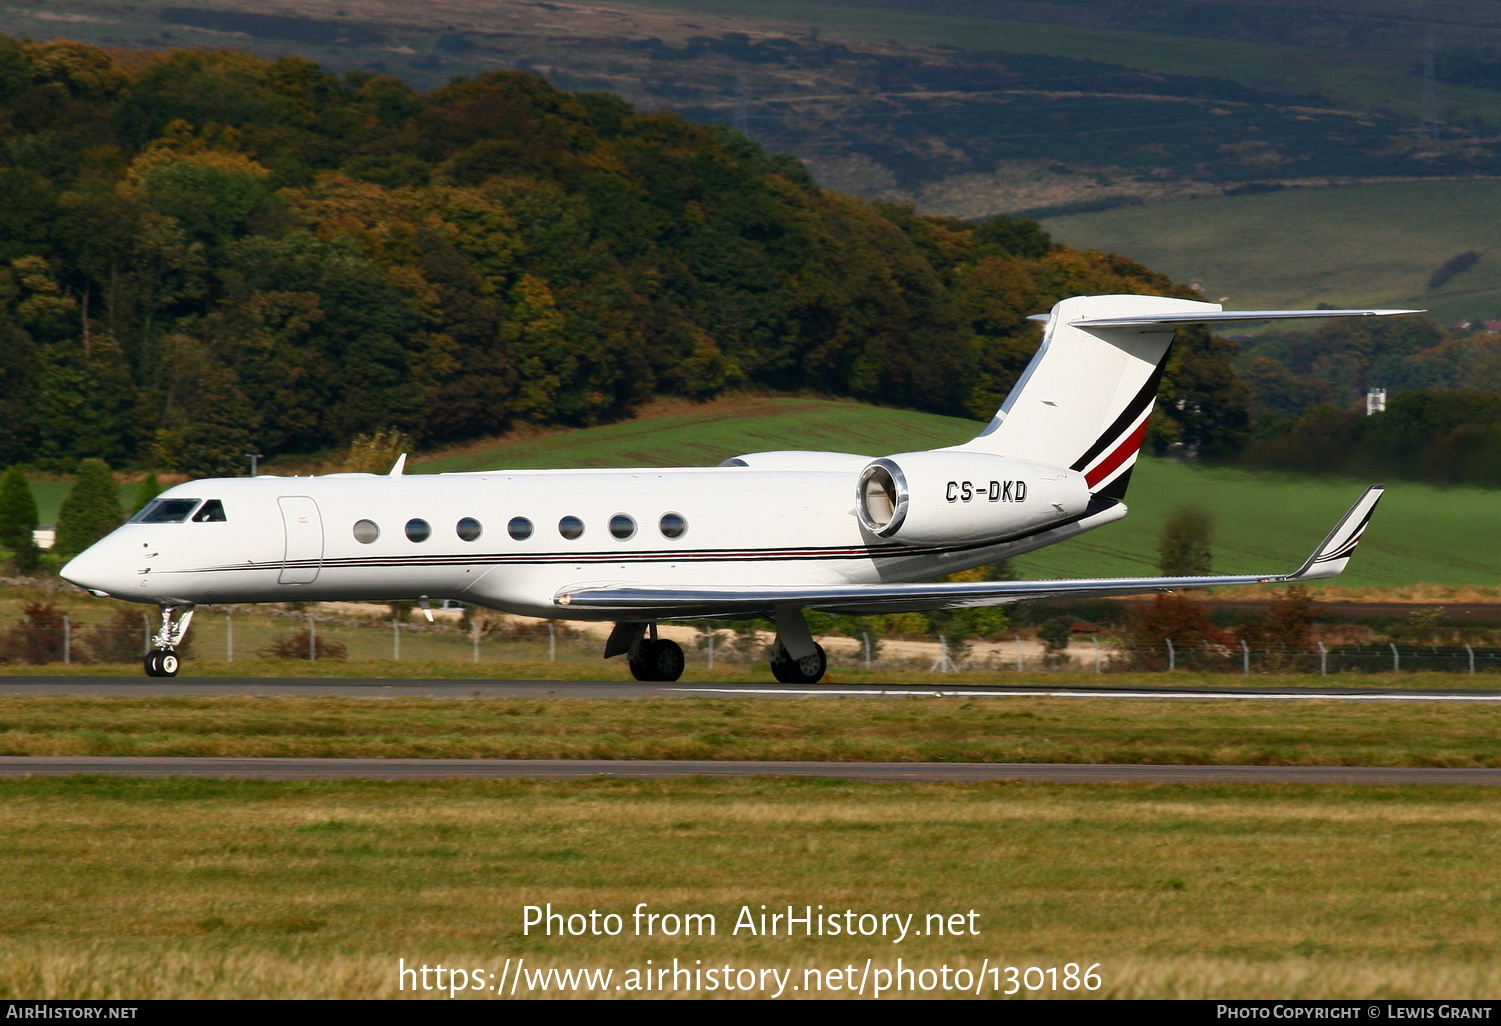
x=208, y=253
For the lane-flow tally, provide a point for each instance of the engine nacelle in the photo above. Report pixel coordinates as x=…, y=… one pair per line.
x=954, y=496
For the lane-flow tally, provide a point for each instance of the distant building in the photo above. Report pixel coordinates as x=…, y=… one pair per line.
x=1375, y=401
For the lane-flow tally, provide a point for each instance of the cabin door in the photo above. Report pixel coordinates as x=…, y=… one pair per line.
x=304, y=529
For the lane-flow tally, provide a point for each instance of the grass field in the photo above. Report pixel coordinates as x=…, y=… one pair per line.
x=1363, y=79
x=1264, y=523
x=175, y=888
x=920, y=729
x=706, y=434
x=1354, y=246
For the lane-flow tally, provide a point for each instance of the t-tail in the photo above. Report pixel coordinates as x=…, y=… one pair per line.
x=1084, y=400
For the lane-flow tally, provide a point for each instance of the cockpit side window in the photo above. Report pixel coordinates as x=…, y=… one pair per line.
x=211, y=513
x=166, y=511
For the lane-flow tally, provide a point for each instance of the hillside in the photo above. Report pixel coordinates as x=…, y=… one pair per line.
x=1264, y=522
x=1364, y=245
x=967, y=108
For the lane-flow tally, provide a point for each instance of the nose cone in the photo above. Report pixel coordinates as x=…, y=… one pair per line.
x=98, y=571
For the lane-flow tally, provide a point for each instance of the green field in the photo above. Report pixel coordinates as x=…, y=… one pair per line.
x=120, y=888
x=1264, y=523
x=1363, y=79
x=836, y=729
x=1366, y=245
x=704, y=435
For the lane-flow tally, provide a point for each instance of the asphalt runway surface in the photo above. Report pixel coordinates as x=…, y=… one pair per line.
x=395, y=688
x=573, y=769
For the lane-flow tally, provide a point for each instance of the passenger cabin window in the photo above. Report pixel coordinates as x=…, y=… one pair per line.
x=622, y=526
x=570, y=527
x=419, y=530
x=366, y=531
x=520, y=528
x=673, y=525
x=165, y=511
x=468, y=529
x=211, y=513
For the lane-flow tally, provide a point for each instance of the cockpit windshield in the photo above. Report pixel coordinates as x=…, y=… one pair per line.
x=166, y=511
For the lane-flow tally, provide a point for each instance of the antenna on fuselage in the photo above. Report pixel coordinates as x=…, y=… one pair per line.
x=401, y=462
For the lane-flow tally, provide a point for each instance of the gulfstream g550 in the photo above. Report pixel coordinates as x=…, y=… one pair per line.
x=767, y=534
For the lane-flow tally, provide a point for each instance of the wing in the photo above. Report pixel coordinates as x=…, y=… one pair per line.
x=667, y=601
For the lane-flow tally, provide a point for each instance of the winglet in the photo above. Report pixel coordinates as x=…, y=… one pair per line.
x=1332, y=555
x=400, y=465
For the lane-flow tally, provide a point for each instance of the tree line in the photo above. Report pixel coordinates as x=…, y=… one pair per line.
x=1442, y=423
x=206, y=253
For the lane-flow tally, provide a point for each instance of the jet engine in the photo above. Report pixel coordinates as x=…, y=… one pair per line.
x=954, y=496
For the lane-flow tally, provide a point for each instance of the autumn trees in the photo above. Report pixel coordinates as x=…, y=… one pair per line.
x=208, y=253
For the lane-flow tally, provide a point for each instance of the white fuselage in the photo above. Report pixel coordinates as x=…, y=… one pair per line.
x=294, y=539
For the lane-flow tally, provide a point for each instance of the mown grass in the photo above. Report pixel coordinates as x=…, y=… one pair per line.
x=1350, y=247
x=125, y=888
x=914, y=729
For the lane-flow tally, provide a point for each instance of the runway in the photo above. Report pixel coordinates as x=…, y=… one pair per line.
x=1036, y=687
x=563, y=769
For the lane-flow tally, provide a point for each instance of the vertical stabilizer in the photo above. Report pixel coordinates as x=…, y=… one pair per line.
x=1084, y=400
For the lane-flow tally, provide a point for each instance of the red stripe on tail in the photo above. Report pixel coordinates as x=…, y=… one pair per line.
x=1122, y=453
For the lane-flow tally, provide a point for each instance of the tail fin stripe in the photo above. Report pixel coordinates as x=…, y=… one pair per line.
x=1125, y=451
x=1139, y=405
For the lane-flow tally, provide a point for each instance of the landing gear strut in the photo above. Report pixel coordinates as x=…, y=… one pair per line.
x=162, y=660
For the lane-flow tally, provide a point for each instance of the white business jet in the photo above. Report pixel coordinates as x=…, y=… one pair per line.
x=767, y=534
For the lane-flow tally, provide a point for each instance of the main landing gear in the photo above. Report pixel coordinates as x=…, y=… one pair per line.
x=795, y=657
x=162, y=660
x=650, y=657
x=807, y=670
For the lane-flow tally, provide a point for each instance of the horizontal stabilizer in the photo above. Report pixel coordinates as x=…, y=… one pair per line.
x=1219, y=316
x=657, y=602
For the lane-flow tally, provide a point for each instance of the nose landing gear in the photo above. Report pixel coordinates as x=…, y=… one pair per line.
x=162, y=660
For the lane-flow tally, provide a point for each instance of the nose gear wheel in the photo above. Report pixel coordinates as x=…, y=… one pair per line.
x=162, y=663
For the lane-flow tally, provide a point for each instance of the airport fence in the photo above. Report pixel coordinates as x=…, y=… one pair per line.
x=221, y=635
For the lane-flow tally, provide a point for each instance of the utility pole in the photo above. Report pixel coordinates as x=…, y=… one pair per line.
x=255, y=459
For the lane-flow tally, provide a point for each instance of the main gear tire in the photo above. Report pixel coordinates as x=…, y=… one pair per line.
x=807, y=670
x=659, y=660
